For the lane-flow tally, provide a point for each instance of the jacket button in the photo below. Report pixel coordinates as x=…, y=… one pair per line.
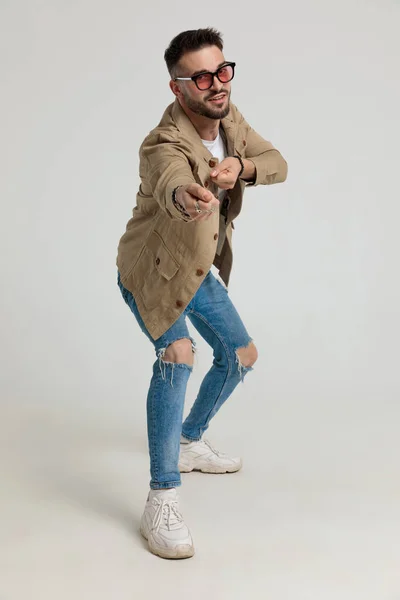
x=157, y=261
x=206, y=184
x=179, y=303
x=212, y=162
x=215, y=236
x=244, y=142
x=199, y=272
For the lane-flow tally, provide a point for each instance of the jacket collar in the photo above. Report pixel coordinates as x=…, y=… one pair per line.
x=186, y=127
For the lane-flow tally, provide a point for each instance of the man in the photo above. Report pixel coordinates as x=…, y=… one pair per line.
x=194, y=167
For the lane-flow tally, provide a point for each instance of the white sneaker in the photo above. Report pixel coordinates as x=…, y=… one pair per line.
x=163, y=527
x=202, y=456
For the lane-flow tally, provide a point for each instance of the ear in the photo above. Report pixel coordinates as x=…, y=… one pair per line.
x=175, y=88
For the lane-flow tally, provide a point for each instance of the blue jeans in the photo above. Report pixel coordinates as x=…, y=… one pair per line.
x=216, y=319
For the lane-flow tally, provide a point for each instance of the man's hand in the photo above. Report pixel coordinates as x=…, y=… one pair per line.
x=226, y=173
x=188, y=195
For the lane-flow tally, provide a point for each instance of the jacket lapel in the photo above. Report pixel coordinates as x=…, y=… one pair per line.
x=185, y=125
x=187, y=128
x=230, y=133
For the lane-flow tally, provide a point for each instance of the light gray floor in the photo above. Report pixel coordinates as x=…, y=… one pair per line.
x=314, y=514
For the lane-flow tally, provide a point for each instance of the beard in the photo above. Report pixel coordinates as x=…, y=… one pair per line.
x=203, y=108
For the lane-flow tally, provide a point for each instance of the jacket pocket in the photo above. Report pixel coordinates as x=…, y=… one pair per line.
x=164, y=261
x=155, y=268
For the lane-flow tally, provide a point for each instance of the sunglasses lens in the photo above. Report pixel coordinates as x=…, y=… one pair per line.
x=225, y=73
x=204, y=81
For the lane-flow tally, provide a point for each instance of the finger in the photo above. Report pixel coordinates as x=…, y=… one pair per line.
x=222, y=175
x=201, y=193
x=201, y=216
x=226, y=185
x=197, y=216
x=217, y=172
x=204, y=215
x=206, y=206
x=206, y=195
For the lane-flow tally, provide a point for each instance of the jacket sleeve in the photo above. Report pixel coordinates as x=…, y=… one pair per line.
x=165, y=166
x=270, y=165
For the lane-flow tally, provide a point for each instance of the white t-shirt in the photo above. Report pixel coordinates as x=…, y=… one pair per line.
x=218, y=149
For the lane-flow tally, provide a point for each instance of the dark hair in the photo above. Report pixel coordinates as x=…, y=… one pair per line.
x=189, y=41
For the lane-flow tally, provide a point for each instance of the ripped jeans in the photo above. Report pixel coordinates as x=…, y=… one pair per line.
x=214, y=316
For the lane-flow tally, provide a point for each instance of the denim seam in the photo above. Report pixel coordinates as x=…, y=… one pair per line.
x=190, y=439
x=228, y=359
x=154, y=446
x=166, y=485
x=178, y=365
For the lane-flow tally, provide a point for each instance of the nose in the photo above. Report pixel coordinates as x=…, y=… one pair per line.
x=217, y=85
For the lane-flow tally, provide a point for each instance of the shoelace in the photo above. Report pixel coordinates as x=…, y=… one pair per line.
x=217, y=452
x=167, y=511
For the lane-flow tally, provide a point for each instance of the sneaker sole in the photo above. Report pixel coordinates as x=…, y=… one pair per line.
x=210, y=469
x=182, y=551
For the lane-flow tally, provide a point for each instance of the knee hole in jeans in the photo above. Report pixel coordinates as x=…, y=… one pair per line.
x=180, y=351
x=247, y=355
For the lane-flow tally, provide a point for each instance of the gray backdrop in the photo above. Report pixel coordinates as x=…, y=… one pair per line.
x=315, y=279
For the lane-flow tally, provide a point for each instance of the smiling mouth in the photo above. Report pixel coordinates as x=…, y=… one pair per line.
x=216, y=98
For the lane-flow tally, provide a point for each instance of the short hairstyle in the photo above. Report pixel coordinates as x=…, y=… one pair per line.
x=190, y=41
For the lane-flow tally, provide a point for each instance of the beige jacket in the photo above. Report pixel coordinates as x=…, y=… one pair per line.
x=163, y=257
